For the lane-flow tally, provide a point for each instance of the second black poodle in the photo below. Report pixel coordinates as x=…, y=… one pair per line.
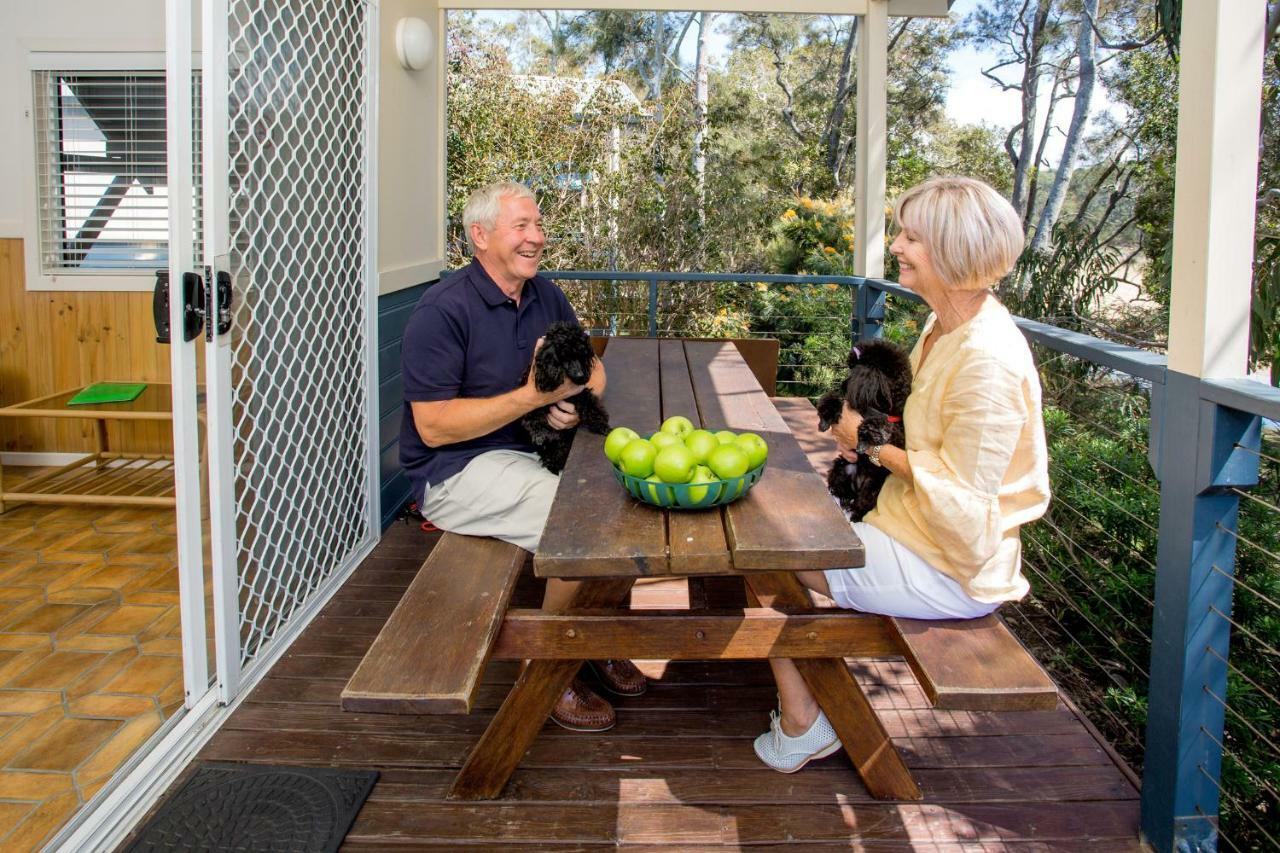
x=565, y=354
x=877, y=386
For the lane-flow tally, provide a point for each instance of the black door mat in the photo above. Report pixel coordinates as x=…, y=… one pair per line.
x=249, y=807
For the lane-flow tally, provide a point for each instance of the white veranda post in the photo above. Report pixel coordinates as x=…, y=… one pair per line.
x=292, y=397
x=872, y=140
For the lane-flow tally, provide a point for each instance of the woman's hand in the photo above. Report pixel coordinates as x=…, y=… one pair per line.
x=563, y=415
x=846, y=433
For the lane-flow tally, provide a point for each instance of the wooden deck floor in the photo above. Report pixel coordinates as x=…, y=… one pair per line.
x=678, y=770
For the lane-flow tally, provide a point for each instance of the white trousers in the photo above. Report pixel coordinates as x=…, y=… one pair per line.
x=896, y=582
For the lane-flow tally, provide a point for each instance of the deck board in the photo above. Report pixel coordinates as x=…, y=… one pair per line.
x=678, y=770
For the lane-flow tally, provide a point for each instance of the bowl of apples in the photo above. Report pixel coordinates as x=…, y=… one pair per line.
x=681, y=467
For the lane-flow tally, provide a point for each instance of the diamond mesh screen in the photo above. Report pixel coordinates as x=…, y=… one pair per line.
x=297, y=86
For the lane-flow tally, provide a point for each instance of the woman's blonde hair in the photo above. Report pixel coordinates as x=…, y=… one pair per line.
x=972, y=233
x=485, y=203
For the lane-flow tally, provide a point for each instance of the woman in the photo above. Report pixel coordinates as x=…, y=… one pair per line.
x=942, y=542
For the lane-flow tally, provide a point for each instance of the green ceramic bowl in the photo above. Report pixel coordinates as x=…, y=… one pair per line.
x=688, y=495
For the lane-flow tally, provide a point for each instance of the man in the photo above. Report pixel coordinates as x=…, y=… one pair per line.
x=471, y=465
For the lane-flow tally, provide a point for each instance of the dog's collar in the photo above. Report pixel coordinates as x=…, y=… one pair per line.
x=893, y=419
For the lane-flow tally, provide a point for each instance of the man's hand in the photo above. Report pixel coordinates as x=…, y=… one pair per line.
x=846, y=433
x=566, y=390
x=563, y=415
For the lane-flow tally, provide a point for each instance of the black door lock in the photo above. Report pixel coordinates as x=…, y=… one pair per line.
x=192, y=306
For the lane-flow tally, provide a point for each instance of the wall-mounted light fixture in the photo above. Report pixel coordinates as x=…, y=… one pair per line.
x=415, y=43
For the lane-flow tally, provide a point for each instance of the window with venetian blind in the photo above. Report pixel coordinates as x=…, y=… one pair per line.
x=101, y=171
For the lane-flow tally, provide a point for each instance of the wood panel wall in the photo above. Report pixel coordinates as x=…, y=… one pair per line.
x=51, y=341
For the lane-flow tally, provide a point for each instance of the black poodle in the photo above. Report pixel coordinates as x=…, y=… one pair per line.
x=877, y=386
x=565, y=354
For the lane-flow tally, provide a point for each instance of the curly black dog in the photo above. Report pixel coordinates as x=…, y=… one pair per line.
x=877, y=386
x=565, y=354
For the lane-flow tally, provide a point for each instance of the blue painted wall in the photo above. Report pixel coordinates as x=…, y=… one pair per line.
x=393, y=313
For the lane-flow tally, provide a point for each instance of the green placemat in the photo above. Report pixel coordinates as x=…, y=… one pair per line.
x=108, y=392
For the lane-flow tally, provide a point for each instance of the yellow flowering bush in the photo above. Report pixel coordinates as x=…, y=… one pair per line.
x=813, y=236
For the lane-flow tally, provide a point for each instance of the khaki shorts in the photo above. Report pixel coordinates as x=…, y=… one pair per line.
x=505, y=494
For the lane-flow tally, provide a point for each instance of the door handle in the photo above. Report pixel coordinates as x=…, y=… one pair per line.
x=192, y=306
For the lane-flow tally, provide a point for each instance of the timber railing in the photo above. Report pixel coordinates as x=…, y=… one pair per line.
x=1156, y=573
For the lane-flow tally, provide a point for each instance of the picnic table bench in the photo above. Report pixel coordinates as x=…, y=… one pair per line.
x=455, y=617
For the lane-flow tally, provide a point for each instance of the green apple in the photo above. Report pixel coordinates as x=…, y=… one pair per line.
x=618, y=438
x=702, y=494
x=728, y=460
x=701, y=443
x=675, y=464
x=636, y=458
x=726, y=436
x=755, y=447
x=655, y=490
x=677, y=425
x=662, y=439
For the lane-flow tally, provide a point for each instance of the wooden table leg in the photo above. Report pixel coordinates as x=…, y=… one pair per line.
x=526, y=708
x=841, y=698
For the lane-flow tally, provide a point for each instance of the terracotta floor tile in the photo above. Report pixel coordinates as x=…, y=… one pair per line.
x=28, y=701
x=75, y=575
x=11, y=814
x=43, y=822
x=116, y=707
x=127, y=619
x=24, y=661
x=14, y=568
x=173, y=694
x=152, y=597
x=113, y=577
x=157, y=543
x=168, y=625
x=122, y=744
x=57, y=670
x=19, y=785
x=91, y=788
x=165, y=646
x=95, y=643
x=28, y=731
x=83, y=595
x=94, y=542
x=146, y=676
x=46, y=619
x=26, y=642
x=66, y=745
x=93, y=681
x=20, y=592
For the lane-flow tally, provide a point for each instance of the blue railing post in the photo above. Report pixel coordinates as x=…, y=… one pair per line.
x=1199, y=460
x=868, y=313
x=653, y=307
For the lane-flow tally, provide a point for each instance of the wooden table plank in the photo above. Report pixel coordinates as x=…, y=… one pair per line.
x=696, y=537
x=595, y=528
x=788, y=521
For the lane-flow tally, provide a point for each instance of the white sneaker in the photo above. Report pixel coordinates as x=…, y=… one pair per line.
x=788, y=754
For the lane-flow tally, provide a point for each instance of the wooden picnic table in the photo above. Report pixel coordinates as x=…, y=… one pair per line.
x=600, y=535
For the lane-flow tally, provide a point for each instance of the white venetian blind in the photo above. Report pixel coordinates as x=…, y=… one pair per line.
x=101, y=170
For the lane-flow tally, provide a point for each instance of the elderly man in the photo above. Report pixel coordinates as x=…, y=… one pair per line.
x=471, y=464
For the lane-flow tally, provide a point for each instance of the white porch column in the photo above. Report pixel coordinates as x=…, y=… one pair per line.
x=872, y=143
x=1215, y=186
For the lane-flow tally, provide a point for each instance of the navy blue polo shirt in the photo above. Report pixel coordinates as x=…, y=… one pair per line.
x=466, y=338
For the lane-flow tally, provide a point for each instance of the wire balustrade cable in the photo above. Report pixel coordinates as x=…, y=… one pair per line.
x=1244, y=585
x=1228, y=753
x=1265, y=646
x=1076, y=480
x=1240, y=537
x=1223, y=794
x=1110, y=572
x=1233, y=713
x=1238, y=492
x=1145, y=560
x=1260, y=454
x=1101, y=634
x=1244, y=676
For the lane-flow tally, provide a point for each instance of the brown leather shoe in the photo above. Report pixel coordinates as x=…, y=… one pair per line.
x=620, y=677
x=580, y=709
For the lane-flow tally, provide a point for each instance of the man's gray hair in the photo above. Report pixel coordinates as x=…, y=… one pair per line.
x=484, y=205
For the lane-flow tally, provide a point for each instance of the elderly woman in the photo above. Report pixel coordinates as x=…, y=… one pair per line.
x=942, y=542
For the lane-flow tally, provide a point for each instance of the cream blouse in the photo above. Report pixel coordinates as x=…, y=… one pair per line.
x=976, y=447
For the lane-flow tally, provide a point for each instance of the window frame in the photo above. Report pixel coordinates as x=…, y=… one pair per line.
x=88, y=280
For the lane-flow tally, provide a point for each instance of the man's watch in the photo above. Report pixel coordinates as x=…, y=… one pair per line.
x=873, y=454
